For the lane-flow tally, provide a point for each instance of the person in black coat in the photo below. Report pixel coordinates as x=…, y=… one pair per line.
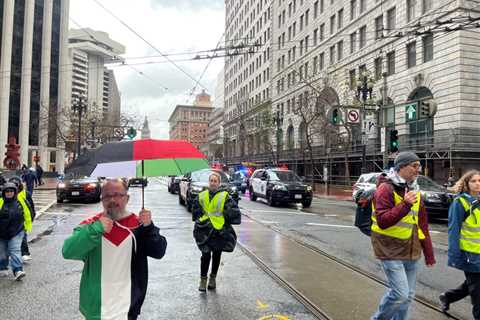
x=214, y=234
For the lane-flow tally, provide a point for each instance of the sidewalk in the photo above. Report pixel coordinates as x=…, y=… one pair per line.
x=343, y=193
x=48, y=184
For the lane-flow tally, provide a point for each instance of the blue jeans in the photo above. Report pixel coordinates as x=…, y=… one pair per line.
x=11, y=249
x=402, y=278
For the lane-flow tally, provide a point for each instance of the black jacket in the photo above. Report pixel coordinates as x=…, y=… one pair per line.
x=207, y=237
x=11, y=219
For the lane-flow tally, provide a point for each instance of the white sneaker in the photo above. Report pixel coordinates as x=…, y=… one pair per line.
x=19, y=275
x=26, y=258
x=4, y=273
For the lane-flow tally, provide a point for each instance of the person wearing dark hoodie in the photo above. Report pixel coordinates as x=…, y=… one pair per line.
x=214, y=212
x=464, y=241
x=23, y=195
x=113, y=246
x=399, y=234
x=15, y=220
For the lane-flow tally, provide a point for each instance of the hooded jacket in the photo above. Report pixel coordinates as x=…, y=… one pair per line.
x=388, y=214
x=206, y=236
x=14, y=215
x=115, y=273
x=457, y=258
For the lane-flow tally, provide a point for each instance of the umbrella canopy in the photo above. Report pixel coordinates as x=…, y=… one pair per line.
x=163, y=157
x=141, y=158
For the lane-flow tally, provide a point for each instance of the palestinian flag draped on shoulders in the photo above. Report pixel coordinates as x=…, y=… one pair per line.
x=115, y=274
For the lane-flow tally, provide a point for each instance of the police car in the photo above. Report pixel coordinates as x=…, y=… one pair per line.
x=279, y=186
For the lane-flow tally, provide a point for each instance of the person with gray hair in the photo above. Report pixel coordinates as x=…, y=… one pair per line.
x=400, y=234
x=114, y=246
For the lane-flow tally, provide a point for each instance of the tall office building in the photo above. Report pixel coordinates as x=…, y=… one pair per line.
x=33, y=60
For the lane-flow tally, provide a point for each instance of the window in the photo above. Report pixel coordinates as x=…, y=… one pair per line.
x=391, y=19
x=426, y=5
x=411, y=54
x=315, y=37
x=379, y=27
x=362, y=70
x=332, y=24
x=427, y=48
x=352, y=79
x=391, y=63
x=411, y=10
x=353, y=9
x=306, y=43
x=340, y=50
x=322, y=6
x=294, y=30
x=340, y=19
x=307, y=13
x=301, y=22
x=363, y=5
x=290, y=10
x=332, y=54
x=321, y=61
x=315, y=65
x=306, y=70
x=363, y=36
x=301, y=47
x=289, y=33
x=315, y=10
x=353, y=42
x=322, y=32
x=378, y=68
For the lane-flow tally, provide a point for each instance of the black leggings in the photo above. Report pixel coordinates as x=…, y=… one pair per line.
x=470, y=287
x=215, y=256
x=25, y=251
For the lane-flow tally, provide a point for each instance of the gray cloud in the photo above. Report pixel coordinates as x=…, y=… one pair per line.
x=188, y=4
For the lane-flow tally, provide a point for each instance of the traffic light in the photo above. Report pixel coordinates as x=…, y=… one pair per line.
x=424, y=109
x=335, y=116
x=394, y=144
x=131, y=133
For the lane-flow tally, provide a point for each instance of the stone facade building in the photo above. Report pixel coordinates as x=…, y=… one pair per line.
x=409, y=49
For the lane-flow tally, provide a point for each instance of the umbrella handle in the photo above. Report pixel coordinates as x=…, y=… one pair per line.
x=143, y=185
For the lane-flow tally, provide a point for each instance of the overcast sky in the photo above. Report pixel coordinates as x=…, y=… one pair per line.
x=172, y=26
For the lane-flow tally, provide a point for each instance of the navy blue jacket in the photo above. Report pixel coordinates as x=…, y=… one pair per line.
x=457, y=258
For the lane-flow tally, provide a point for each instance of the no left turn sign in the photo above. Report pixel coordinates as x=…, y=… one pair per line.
x=353, y=116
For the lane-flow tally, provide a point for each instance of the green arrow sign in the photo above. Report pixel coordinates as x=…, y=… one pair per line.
x=411, y=111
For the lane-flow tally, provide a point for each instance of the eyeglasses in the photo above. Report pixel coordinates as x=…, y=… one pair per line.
x=113, y=195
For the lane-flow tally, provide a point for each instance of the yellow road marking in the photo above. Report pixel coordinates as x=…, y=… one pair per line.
x=261, y=305
x=274, y=317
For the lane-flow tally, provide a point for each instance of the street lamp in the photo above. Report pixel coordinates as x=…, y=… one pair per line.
x=279, y=122
x=364, y=93
x=79, y=104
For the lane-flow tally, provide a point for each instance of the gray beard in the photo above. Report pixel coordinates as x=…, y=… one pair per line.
x=117, y=215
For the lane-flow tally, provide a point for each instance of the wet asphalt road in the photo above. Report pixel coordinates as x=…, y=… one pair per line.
x=50, y=290
x=328, y=226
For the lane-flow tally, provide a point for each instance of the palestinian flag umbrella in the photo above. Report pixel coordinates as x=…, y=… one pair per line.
x=145, y=158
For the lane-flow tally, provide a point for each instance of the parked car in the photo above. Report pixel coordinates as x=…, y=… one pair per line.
x=239, y=180
x=79, y=189
x=280, y=186
x=137, y=182
x=437, y=198
x=195, y=182
x=173, y=184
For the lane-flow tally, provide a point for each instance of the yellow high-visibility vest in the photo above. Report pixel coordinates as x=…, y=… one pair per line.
x=404, y=228
x=470, y=231
x=213, y=209
x=27, y=217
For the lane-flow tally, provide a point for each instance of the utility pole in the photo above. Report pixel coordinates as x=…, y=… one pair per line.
x=79, y=105
x=93, y=134
x=384, y=120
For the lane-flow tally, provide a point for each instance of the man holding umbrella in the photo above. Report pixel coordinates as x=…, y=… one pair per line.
x=114, y=246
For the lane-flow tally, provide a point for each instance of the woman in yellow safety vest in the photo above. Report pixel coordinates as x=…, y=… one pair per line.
x=464, y=241
x=214, y=211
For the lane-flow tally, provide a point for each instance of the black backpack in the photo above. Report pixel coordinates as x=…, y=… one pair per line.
x=363, y=212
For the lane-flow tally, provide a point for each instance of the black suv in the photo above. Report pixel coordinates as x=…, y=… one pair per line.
x=279, y=186
x=193, y=183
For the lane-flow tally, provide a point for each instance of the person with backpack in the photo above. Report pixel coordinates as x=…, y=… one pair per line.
x=464, y=241
x=399, y=235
